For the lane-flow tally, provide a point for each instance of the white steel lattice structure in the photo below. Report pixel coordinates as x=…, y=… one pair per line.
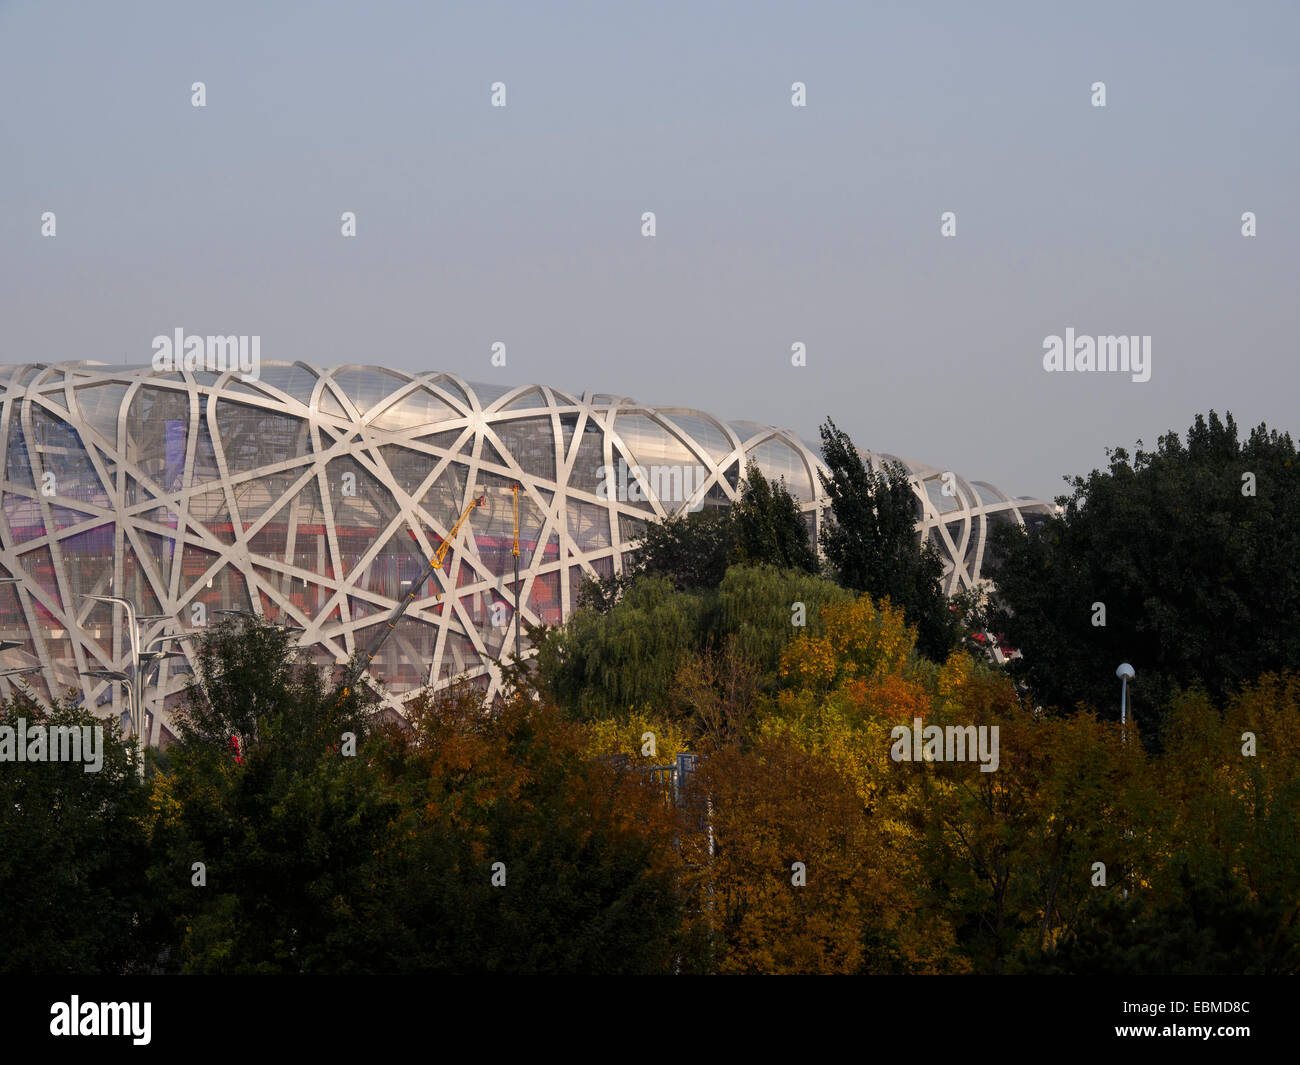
x=312, y=495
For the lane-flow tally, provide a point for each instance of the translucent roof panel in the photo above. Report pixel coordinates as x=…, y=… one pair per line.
x=418, y=408
x=705, y=432
x=295, y=381
x=366, y=387
x=450, y=386
x=942, y=503
x=488, y=394
x=651, y=443
x=100, y=406
x=533, y=397
x=780, y=461
x=748, y=430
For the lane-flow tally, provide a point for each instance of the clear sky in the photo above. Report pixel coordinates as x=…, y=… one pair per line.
x=775, y=224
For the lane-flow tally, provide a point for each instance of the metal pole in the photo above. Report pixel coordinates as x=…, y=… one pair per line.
x=133, y=628
x=1124, y=672
x=134, y=697
x=1123, y=738
x=139, y=716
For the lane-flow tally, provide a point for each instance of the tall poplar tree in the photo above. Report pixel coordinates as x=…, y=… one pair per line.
x=872, y=542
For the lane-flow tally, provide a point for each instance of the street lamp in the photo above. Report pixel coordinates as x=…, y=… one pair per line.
x=132, y=682
x=155, y=656
x=18, y=672
x=9, y=645
x=1125, y=674
x=107, y=674
x=117, y=676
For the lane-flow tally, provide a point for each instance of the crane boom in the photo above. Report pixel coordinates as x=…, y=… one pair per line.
x=385, y=630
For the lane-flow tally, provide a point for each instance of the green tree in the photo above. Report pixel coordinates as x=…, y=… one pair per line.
x=1189, y=549
x=768, y=526
x=690, y=551
x=252, y=684
x=1210, y=926
x=73, y=853
x=765, y=608
x=288, y=824
x=872, y=542
x=603, y=664
x=693, y=550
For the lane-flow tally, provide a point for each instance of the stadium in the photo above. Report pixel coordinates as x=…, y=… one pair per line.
x=313, y=495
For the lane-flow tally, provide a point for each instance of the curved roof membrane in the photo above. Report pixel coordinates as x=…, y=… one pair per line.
x=312, y=495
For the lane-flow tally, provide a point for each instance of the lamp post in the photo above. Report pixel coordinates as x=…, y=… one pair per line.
x=132, y=682
x=117, y=676
x=1125, y=674
x=148, y=657
x=9, y=645
x=135, y=704
x=19, y=672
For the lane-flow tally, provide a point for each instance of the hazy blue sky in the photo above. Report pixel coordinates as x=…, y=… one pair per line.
x=775, y=224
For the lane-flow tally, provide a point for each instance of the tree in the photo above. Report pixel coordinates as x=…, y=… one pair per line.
x=768, y=526
x=693, y=550
x=1188, y=549
x=690, y=550
x=72, y=855
x=518, y=852
x=321, y=861
x=1215, y=891
x=250, y=683
x=600, y=664
x=289, y=824
x=765, y=608
x=873, y=545
x=793, y=864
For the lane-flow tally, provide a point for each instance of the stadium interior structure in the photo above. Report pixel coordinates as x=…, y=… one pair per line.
x=312, y=496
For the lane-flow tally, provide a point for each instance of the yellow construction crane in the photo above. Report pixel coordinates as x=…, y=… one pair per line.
x=435, y=563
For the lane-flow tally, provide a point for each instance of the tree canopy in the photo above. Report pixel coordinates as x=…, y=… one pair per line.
x=692, y=550
x=769, y=528
x=872, y=545
x=530, y=837
x=1179, y=560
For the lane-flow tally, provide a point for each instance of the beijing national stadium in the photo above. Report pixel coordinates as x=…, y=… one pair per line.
x=314, y=495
